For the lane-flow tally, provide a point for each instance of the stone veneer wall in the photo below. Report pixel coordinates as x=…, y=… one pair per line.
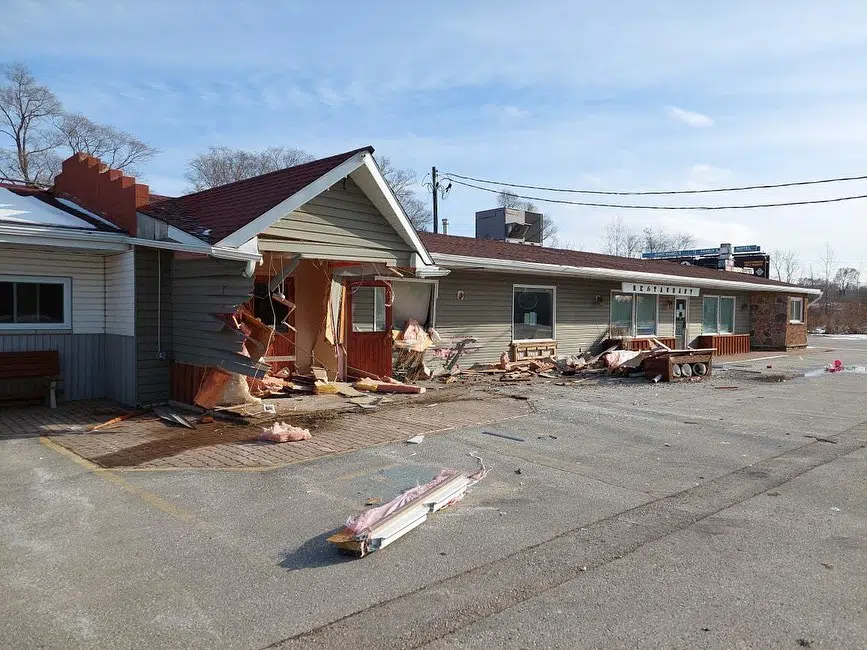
x=770, y=328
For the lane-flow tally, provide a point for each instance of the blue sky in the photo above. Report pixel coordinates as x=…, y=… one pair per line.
x=566, y=93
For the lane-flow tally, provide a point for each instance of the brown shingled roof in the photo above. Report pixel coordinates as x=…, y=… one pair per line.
x=499, y=250
x=216, y=213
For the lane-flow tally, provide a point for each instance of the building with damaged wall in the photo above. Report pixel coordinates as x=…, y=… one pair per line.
x=332, y=237
x=155, y=292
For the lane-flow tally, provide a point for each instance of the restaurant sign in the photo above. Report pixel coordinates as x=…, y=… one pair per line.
x=659, y=289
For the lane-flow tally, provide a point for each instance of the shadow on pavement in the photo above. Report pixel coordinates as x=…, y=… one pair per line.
x=316, y=552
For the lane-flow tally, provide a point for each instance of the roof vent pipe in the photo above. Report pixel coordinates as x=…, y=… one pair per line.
x=445, y=224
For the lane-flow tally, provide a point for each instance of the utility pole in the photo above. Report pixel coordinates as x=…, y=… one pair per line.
x=434, y=188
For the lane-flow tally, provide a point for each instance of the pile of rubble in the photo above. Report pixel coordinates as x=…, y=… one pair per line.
x=658, y=363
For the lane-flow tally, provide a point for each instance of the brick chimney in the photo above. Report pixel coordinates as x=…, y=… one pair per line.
x=107, y=192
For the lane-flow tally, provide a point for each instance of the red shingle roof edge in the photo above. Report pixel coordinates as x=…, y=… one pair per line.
x=216, y=213
x=499, y=250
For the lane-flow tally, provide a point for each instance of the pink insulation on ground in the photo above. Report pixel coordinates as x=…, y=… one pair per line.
x=370, y=518
x=282, y=432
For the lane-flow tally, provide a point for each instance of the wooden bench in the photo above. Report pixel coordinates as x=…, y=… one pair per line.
x=42, y=364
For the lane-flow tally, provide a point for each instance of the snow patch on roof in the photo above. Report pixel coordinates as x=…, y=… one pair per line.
x=29, y=210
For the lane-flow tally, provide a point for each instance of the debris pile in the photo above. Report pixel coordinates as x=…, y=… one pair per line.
x=658, y=363
x=378, y=527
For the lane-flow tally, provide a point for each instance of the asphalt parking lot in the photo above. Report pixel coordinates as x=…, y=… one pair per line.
x=632, y=514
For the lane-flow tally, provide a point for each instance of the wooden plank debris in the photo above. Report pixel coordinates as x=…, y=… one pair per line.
x=116, y=420
x=372, y=386
x=403, y=519
x=503, y=435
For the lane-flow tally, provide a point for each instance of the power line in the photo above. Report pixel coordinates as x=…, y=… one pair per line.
x=665, y=207
x=658, y=192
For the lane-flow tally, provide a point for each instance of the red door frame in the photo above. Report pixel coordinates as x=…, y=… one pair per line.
x=369, y=351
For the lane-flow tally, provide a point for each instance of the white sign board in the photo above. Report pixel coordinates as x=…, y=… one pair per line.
x=659, y=289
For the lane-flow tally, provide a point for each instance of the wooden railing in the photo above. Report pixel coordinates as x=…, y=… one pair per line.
x=644, y=344
x=725, y=344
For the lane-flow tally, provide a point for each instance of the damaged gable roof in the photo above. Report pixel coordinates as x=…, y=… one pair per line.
x=214, y=214
x=498, y=250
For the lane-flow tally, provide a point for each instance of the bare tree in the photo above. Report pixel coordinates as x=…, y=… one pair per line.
x=846, y=279
x=786, y=264
x=403, y=182
x=28, y=112
x=619, y=239
x=117, y=149
x=550, y=229
x=222, y=165
x=829, y=262
x=659, y=241
x=507, y=199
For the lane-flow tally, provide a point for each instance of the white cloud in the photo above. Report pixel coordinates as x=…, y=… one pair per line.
x=689, y=117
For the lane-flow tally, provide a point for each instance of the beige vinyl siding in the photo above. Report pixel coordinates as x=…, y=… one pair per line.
x=486, y=310
x=341, y=224
x=85, y=269
x=120, y=294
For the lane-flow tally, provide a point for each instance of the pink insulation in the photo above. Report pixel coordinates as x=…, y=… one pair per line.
x=370, y=518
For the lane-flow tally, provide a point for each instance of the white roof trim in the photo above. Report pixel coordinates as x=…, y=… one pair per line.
x=500, y=265
x=363, y=170
x=181, y=236
x=62, y=238
x=109, y=242
x=220, y=252
x=380, y=194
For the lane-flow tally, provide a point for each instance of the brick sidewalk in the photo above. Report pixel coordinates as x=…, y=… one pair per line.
x=149, y=443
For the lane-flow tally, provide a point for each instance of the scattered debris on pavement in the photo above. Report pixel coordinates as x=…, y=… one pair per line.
x=167, y=414
x=116, y=420
x=416, y=440
x=503, y=435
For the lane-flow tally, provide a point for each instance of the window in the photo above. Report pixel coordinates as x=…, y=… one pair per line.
x=645, y=315
x=368, y=309
x=796, y=310
x=633, y=314
x=31, y=303
x=718, y=315
x=726, y=315
x=532, y=313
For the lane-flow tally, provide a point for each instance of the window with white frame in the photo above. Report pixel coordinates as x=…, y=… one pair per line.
x=533, y=313
x=633, y=314
x=32, y=303
x=796, y=310
x=368, y=309
x=718, y=315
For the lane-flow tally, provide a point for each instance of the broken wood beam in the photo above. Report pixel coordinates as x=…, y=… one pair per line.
x=385, y=387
